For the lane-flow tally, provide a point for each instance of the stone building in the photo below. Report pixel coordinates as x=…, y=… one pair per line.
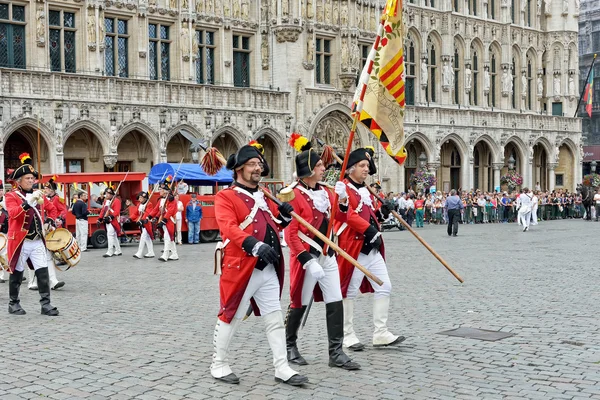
x=589, y=44
x=111, y=83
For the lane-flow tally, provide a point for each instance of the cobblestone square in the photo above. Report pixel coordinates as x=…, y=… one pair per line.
x=143, y=329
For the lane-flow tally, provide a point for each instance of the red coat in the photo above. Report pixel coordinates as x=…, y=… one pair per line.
x=303, y=205
x=19, y=223
x=61, y=209
x=134, y=215
x=114, y=211
x=167, y=213
x=352, y=237
x=231, y=209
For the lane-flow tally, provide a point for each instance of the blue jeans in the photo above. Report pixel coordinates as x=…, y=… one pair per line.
x=193, y=232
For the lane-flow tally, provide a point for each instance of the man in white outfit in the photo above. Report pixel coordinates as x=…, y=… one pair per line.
x=525, y=200
x=140, y=216
x=534, y=208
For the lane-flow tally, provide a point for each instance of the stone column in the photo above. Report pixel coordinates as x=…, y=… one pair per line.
x=497, y=168
x=58, y=135
x=110, y=159
x=471, y=178
x=551, y=176
x=433, y=168
x=162, y=136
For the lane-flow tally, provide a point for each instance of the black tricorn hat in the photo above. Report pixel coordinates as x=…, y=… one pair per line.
x=25, y=168
x=142, y=194
x=245, y=153
x=362, y=154
x=308, y=157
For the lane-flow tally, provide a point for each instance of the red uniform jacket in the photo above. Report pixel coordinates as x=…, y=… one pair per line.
x=19, y=223
x=303, y=205
x=231, y=209
x=352, y=236
x=134, y=215
x=61, y=209
x=114, y=211
x=166, y=210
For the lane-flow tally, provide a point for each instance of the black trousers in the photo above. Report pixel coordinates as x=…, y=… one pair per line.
x=453, y=217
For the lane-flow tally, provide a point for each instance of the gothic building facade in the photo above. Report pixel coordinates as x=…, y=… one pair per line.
x=110, y=84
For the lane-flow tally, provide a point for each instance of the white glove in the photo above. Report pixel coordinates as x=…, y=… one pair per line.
x=340, y=190
x=315, y=269
x=35, y=198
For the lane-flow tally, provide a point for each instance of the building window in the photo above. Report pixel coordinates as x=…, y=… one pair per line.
x=116, y=47
x=474, y=94
x=323, y=64
x=12, y=36
x=455, y=5
x=560, y=178
x=120, y=166
x=457, y=93
x=241, y=61
x=530, y=85
x=432, y=67
x=472, y=7
x=493, y=80
x=74, y=165
x=62, y=41
x=410, y=72
x=364, y=55
x=512, y=11
x=492, y=9
x=205, y=57
x=557, y=109
x=159, y=52
x=514, y=85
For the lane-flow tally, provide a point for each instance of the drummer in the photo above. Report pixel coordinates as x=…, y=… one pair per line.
x=50, y=188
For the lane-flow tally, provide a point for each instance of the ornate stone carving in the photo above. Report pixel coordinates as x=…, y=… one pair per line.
x=264, y=51
x=40, y=26
x=110, y=160
x=347, y=80
x=287, y=33
x=91, y=29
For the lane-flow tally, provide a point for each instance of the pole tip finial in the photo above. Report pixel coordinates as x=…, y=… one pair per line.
x=595, y=55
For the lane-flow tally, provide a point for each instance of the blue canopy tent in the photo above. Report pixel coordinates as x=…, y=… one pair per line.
x=192, y=174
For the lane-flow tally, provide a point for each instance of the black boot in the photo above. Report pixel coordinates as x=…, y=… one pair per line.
x=14, y=284
x=335, y=334
x=43, y=280
x=292, y=325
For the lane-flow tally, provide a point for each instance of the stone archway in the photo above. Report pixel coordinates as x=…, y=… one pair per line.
x=24, y=140
x=483, y=178
x=414, y=149
x=450, y=173
x=83, y=152
x=564, y=173
x=271, y=155
x=135, y=153
x=178, y=148
x=225, y=143
x=334, y=130
x=540, y=167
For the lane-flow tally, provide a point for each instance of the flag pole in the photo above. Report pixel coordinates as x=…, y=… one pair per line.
x=585, y=87
x=39, y=154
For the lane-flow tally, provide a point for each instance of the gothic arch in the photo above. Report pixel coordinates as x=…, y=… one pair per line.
x=416, y=37
x=238, y=137
x=187, y=127
x=571, y=146
x=460, y=144
x=361, y=134
x=141, y=127
x=31, y=123
x=278, y=139
x=519, y=145
x=425, y=142
x=547, y=146
x=491, y=143
x=90, y=126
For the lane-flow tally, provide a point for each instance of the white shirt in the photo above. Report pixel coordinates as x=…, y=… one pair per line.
x=597, y=198
x=402, y=203
x=179, y=207
x=525, y=203
x=410, y=204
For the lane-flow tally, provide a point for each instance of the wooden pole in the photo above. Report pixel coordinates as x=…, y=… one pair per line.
x=328, y=242
x=39, y=149
x=419, y=238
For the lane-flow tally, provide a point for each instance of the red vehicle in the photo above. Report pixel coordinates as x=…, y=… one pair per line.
x=194, y=180
x=94, y=184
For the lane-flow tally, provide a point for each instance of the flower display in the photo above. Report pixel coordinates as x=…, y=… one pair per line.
x=423, y=179
x=512, y=179
x=592, y=180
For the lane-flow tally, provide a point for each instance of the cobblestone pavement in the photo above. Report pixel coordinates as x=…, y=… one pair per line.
x=143, y=329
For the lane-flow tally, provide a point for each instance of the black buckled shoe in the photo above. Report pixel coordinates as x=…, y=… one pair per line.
x=357, y=347
x=399, y=340
x=348, y=366
x=43, y=280
x=295, y=380
x=292, y=325
x=231, y=378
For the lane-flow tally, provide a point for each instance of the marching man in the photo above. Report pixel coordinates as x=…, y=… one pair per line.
x=4, y=230
x=308, y=264
x=140, y=215
x=361, y=238
x=252, y=263
x=25, y=229
x=164, y=212
x=50, y=188
x=109, y=214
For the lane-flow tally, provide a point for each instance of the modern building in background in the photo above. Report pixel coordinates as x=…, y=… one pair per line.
x=589, y=44
x=112, y=83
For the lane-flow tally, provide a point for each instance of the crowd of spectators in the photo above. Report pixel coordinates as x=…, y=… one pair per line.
x=485, y=207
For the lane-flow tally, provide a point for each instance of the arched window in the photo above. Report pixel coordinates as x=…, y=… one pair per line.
x=473, y=7
x=512, y=11
x=410, y=70
x=492, y=9
x=474, y=94
x=493, y=80
x=530, y=83
x=457, y=75
x=432, y=81
x=527, y=8
x=455, y=5
x=514, y=78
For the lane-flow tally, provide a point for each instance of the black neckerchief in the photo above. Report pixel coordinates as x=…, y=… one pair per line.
x=246, y=188
x=317, y=186
x=356, y=185
x=25, y=191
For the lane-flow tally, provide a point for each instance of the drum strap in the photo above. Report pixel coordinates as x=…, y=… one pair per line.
x=36, y=211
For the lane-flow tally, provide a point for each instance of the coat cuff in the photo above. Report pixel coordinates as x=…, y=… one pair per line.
x=249, y=243
x=304, y=257
x=25, y=206
x=343, y=207
x=370, y=233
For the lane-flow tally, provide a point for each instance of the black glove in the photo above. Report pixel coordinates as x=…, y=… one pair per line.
x=268, y=254
x=50, y=222
x=140, y=223
x=285, y=210
x=160, y=225
x=385, y=210
x=370, y=235
x=170, y=197
x=107, y=219
x=144, y=221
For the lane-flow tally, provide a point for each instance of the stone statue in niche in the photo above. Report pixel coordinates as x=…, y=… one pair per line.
x=571, y=86
x=273, y=9
x=264, y=52
x=556, y=85
x=447, y=73
x=540, y=86
x=91, y=26
x=359, y=16
x=424, y=72
x=40, y=24
x=328, y=12
x=264, y=11
x=468, y=74
x=173, y=4
x=524, y=85
x=199, y=6
x=344, y=14
x=210, y=6
x=355, y=56
x=184, y=42
x=185, y=5
x=547, y=7
x=285, y=8
x=345, y=55
x=236, y=9
x=310, y=50
x=226, y=8
x=245, y=9
x=374, y=20
x=565, y=6
x=309, y=9
x=486, y=80
x=506, y=81
x=319, y=11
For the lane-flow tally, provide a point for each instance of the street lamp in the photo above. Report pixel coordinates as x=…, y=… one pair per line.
x=422, y=160
x=511, y=163
x=593, y=165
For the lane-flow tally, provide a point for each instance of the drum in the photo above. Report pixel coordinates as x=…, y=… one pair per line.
x=62, y=243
